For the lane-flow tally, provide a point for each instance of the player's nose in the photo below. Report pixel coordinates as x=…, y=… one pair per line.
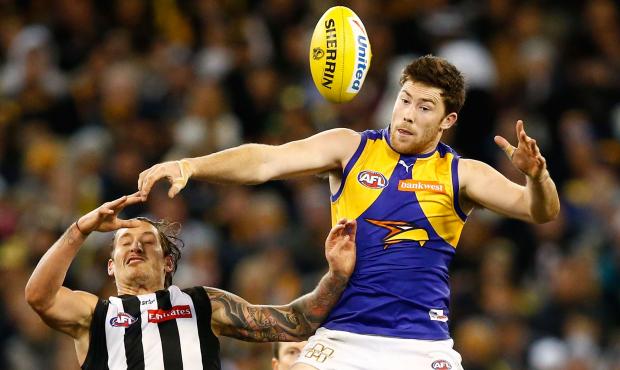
x=136, y=247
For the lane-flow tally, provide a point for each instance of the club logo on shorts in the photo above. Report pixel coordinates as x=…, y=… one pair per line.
x=319, y=353
x=122, y=320
x=372, y=179
x=441, y=365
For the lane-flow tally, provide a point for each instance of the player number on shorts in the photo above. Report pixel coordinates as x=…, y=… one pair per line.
x=319, y=352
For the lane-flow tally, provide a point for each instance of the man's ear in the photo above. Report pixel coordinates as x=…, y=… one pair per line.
x=168, y=264
x=110, y=267
x=448, y=121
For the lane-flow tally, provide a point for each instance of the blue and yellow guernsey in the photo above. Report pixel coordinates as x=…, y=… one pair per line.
x=408, y=225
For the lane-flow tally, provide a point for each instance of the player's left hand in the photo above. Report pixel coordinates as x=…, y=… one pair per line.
x=340, y=247
x=526, y=156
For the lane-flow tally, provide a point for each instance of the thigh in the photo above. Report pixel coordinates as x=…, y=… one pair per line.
x=333, y=350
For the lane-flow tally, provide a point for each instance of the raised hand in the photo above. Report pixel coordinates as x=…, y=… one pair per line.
x=177, y=173
x=340, y=247
x=105, y=218
x=526, y=156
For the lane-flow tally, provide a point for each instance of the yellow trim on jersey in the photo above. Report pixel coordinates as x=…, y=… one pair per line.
x=355, y=198
x=438, y=205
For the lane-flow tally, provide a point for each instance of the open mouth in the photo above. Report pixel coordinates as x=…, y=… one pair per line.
x=400, y=131
x=134, y=260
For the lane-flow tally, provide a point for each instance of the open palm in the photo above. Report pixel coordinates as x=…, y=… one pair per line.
x=105, y=218
x=526, y=156
x=340, y=247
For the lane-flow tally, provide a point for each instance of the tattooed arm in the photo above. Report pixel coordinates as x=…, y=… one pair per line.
x=235, y=317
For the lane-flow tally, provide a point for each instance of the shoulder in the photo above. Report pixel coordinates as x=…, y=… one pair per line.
x=341, y=135
x=87, y=298
x=474, y=172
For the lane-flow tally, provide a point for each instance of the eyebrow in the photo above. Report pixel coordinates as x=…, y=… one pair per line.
x=429, y=100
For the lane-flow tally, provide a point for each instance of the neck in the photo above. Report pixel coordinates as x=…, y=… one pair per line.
x=137, y=288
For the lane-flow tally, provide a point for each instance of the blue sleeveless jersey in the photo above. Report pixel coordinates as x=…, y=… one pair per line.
x=408, y=225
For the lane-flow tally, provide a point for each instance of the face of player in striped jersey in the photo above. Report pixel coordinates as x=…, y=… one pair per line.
x=138, y=261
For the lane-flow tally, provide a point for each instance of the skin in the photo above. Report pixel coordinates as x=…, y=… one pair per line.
x=139, y=266
x=419, y=119
x=288, y=353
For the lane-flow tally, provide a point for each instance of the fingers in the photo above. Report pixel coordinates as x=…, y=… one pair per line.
x=336, y=230
x=128, y=223
x=345, y=229
x=520, y=131
x=505, y=146
x=175, y=189
x=351, y=229
x=141, y=178
x=151, y=176
x=133, y=199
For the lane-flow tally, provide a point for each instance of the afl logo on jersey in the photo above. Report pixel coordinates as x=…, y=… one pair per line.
x=372, y=179
x=122, y=320
x=441, y=365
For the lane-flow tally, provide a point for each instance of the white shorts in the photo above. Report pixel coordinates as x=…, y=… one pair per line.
x=340, y=350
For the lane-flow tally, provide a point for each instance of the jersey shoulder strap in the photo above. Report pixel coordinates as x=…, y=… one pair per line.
x=97, y=355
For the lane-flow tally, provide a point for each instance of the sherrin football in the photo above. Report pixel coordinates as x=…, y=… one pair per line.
x=339, y=54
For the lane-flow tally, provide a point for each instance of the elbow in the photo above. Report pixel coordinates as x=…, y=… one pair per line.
x=302, y=335
x=548, y=216
x=35, y=298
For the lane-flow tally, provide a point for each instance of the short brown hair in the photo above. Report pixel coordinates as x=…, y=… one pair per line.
x=171, y=244
x=275, y=347
x=438, y=72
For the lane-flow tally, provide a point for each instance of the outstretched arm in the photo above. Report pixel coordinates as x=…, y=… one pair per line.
x=537, y=201
x=257, y=163
x=235, y=317
x=63, y=309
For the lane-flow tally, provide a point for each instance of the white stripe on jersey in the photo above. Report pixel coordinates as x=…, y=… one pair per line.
x=188, y=330
x=151, y=341
x=115, y=336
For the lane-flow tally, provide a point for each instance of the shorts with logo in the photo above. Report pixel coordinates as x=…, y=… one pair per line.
x=339, y=350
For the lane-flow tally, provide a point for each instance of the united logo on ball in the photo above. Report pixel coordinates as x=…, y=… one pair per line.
x=340, y=54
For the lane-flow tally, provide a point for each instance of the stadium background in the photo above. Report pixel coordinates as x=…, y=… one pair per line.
x=93, y=92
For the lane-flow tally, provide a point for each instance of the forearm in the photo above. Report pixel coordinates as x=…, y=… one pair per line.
x=50, y=272
x=236, y=318
x=543, y=199
x=312, y=309
x=240, y=165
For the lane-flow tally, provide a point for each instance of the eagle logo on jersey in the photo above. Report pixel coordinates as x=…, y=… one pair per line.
x=401, y=231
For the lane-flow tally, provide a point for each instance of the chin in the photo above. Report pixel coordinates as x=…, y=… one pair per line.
x=405, y=147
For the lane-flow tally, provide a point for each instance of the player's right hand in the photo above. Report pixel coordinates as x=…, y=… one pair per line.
x=105, y=218
x=176, y=172
x=340, y=247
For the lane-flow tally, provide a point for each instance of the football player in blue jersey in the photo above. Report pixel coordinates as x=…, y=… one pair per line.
x=152, y=324
x=411, y=195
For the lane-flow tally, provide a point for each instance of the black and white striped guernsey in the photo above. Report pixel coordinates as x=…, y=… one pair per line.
x=169, y=329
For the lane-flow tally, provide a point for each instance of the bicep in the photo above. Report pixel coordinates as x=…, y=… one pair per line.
x=70, y=312
x=484, y=186
x=233, y=316
x=322, y=152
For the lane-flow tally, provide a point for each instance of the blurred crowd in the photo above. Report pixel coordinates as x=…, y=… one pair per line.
x=92, y=92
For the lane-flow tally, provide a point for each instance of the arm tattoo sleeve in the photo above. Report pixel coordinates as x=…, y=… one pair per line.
x=293, y=322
